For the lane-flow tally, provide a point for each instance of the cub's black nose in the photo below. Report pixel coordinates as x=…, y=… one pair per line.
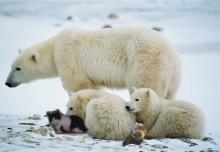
x=127, y=107
x=8, y=84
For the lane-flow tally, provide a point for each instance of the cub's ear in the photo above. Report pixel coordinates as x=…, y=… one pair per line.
x=33, y=58
x=132, y=90
x=79, y=98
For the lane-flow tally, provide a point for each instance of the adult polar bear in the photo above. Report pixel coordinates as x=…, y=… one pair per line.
x=116, y=58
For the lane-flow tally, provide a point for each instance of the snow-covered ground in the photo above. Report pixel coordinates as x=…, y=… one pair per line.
x=19, y=133
x=192, y=26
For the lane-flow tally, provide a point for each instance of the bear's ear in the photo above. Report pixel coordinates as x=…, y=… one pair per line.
x=132, y=90
x=34, y=58
x=148, y=93
x=19, y=51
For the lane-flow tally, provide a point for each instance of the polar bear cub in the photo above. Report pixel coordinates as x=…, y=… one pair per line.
x=107, y=118
x=104, y=114
x=166, y=118
x=79, y=100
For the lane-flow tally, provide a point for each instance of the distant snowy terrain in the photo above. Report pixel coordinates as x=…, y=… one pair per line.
x=192, y=26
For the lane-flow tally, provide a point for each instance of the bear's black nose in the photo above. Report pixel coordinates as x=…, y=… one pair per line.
x=11, y=84
x=127, y=107
x=8, y=84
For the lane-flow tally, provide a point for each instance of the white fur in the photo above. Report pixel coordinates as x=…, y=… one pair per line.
x=166, y=118
x=104, y=114
x=115, y=58
x=79, y=100
x=107, y=118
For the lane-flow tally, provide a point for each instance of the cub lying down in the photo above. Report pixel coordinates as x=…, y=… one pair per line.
x=166, y=118
x=104, y=114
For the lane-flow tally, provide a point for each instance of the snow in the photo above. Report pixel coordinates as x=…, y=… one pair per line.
x=192, y=26
x=18, y=137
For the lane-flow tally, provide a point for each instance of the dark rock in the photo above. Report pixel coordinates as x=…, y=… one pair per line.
x=159, y=146
x=47, y=125
x=112, y=16
x=164, y=147
x=207, y=139
x=69, y=18
x=34, y=117
x=107, y=26
x=193, y=144
x=186, y=140
x=23, y=123
x=209, y=150
x=156, y=28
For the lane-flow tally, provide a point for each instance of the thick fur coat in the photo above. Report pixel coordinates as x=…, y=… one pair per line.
x=166, y=118
x=116, y=58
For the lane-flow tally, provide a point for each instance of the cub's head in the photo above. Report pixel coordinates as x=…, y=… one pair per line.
x=72, y=105
x=33, y=63
x=141, y=99
x=76, y=105
x=79, y=100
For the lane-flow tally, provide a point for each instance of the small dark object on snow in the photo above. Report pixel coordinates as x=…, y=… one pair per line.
x=69, y=18
x=156, y=28
x=23, y=123
x=112, y=16
x=136, y=136
x=47, y=125
x=207, y=139
x=107, y=26
x=65, y=124
x=193, y=144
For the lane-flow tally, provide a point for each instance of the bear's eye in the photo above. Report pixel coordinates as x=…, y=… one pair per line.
x=17, y=69
x=136, y=99
x=71, y=108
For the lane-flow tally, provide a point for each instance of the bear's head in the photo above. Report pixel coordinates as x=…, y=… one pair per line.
x=33, y=63
x=141, y=99
x=76, y=105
